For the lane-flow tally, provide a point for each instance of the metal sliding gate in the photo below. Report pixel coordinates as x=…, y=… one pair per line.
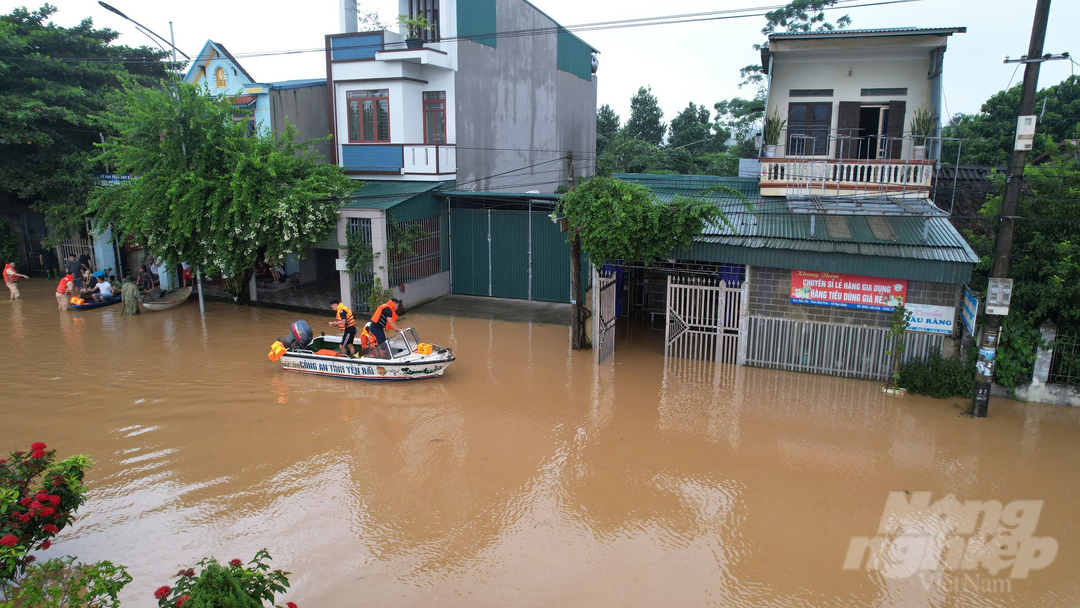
x=703, y=317
x=604, y=287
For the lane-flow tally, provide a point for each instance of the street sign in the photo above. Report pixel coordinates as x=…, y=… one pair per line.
x=969, y=310
x=998, y=296
x=931, y=319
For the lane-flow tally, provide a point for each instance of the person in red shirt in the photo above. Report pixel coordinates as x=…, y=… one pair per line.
x=63, y=291
x=11, y=279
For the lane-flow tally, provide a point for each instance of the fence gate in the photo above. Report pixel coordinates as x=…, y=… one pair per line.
x=702, y=319
x=604, y=305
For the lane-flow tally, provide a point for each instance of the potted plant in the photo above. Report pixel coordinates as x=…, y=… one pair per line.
x=923, y=124
x=899, y=322
x=770, y=133
x=416, y=26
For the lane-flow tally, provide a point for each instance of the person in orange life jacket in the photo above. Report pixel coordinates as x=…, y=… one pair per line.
x=367, y=341
x=63, y=291
x=11, y=279
x=384, y=316
x=344, y=319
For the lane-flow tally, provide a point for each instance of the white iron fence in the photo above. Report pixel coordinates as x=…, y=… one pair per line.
x=703, y=319
x=604, y=286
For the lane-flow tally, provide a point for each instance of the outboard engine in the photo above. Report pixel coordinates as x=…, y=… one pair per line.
x=300, y=334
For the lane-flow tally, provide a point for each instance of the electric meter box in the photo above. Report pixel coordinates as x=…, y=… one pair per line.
x=998, y=296
x=1025, y=132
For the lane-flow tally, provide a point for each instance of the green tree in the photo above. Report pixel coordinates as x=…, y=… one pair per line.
x=9, y=242
x=738, y=117
x=53, y=84
x=988, y=136
x=795, y=16
x=694, y=130
x=206, y=192
x=646, y=118
x=607, y=127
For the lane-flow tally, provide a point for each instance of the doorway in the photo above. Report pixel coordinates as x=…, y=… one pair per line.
x=873, y=127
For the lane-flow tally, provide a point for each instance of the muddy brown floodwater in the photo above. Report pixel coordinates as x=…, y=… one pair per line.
x=525, y=476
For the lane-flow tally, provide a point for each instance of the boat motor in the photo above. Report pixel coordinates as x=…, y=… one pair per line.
x=300, y=334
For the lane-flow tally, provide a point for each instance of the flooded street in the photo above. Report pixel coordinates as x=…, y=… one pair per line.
x=525, y=476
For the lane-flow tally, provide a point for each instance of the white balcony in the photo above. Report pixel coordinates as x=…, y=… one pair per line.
x=430, y=159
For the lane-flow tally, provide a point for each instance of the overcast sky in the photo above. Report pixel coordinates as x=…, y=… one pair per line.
x=696, y=62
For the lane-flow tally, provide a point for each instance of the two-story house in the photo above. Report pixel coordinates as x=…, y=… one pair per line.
x=495, y=97
x=843, y=225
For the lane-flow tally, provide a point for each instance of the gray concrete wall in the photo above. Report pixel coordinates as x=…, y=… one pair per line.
x=513, y=98
x=423, y=290
x=306, y=109
x=770, y=296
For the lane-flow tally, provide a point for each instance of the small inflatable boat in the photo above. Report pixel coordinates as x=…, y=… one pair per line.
x=88, y=303
x=401, y=357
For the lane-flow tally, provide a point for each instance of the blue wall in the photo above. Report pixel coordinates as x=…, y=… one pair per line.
x=360, y=46
x=366, y=157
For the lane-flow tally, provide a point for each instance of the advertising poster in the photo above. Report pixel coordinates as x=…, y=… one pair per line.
x=932, y=319
x=847, y=290
x=969, y=311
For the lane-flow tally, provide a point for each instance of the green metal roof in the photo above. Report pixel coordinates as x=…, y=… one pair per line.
x=521, y=196
x=768, y=234
x=386, y=194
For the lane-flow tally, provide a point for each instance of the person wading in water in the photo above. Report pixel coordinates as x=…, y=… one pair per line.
x=11, y=279
x=345, y=321
x=129, y=293
x=385, y=316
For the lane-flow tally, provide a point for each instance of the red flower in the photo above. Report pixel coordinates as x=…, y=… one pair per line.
x=235, y=562
x=9, y=541
x=19, y=452
x=37, y=445
x=290, y=605
x=47, y=512
x=54, y=500
x=37, y=454
x=25, y=501
x=189, y=572
x=162, y=592
x=35, y=505
x=46, y=545
x=51, y=529
x=57, y=481
x=180, y=600
x=25, y=517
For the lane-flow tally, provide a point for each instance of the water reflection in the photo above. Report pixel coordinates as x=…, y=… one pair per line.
x=528, y=471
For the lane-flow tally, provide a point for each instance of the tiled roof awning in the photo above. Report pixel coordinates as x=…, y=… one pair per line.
x=243, y=101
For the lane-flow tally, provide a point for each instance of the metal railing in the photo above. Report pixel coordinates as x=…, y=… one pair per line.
x=422, y=256
x=362, y=281
x=1065, y=363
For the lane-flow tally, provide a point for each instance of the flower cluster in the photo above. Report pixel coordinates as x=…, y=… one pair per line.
x=256, y=579
x=38, y=498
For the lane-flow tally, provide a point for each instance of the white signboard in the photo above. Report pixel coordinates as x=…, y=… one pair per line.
x=970, y=310
x=932, y=319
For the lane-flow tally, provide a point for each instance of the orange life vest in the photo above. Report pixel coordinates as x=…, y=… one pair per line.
x=10, y=277
x=64, y=282
x=383, y=312
x=367, y=340
x=349, y=321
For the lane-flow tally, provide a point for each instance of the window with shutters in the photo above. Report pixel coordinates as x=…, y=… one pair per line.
x=808, y=128
x=435, y=117
x=219, y=77
x=369, y=116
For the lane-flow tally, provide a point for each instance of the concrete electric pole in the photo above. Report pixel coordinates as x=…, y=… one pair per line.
x=988, y=339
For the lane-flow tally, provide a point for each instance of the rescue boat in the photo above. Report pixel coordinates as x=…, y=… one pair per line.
x=402, y=357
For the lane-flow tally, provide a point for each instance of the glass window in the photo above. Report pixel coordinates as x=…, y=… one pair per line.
x=435, y=117
x=808, y=128
x=369, y=115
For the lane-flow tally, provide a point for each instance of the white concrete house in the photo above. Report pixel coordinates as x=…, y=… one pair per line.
x=848, y=98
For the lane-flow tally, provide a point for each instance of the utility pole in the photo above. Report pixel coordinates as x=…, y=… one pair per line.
x=988, y=339
x=577, y=328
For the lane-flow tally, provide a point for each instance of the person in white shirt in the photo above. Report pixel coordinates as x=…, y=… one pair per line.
x=103, y=290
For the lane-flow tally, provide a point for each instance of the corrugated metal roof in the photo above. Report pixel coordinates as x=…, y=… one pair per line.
x=386, y=194
x=521, y=196
x=298, y=84
x=872, y=32
x=972, y=173
x=767, y=224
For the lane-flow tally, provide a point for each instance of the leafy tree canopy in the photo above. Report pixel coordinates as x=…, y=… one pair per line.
x=205, y=191
x=694, y=130
x=795, y=16
x=988, y=136
x=646, y=118
x=622, y=221
x=53, y=84
x=607, y=127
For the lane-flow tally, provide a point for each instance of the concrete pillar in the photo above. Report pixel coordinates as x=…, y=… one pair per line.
x=104, y=251
x=346, y=279
x=252, y=287
x=378, y=247
x=1043, y=356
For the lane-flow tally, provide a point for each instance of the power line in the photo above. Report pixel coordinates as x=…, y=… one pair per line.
x=587, y=27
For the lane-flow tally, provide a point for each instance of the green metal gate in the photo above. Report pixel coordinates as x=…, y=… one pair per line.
x=508, y=254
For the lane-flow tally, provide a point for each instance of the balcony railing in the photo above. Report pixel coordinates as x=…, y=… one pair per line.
x=849, y=166
x=399, y=159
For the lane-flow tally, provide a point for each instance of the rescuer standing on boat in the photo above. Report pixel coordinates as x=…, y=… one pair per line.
x=385, y=316
x=347, y=324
